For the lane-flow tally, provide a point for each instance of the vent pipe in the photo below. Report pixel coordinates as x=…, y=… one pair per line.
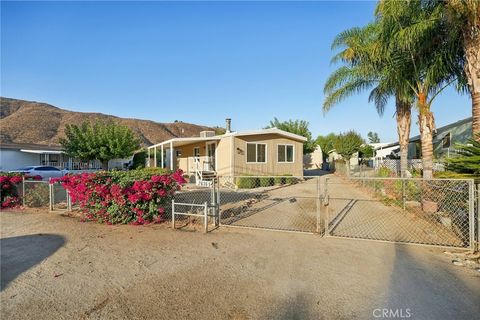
x=228, y=125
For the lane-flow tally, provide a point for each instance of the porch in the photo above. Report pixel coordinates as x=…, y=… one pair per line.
x=60, y=160
x=196, y=157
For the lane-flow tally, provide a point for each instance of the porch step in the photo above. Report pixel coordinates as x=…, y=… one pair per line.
x=208, y=175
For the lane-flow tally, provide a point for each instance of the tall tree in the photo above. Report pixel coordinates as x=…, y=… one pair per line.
x=430, y=64
x=368, y=67
x=373, y=137
x=299, y=127
x=347, y=144
x=99, y=141
x=463, y=21
x=326, y=143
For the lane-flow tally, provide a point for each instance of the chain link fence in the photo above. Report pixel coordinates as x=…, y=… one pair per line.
x=35, y=194
x=194, y=208
x=382, y=168
x=59, y=198
x=442, y=212
x=277, y=203
x=435, y=212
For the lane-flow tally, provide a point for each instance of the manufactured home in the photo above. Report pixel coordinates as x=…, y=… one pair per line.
x=17, y=155
x=265, y=152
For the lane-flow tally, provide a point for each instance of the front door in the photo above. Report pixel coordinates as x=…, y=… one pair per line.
x=211, y=147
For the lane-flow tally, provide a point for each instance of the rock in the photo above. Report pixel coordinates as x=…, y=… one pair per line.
x=446, y=221
x=457, y=263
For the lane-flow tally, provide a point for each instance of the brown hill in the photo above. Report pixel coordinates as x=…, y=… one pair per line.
x=40, y=123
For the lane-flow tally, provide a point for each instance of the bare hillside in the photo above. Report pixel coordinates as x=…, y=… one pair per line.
x=40, y=123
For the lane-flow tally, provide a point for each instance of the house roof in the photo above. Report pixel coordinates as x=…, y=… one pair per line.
x=30, y=146
x=438, y=131
x=177, y=142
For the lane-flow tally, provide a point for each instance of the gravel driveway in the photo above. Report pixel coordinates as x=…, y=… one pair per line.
x=54, y=267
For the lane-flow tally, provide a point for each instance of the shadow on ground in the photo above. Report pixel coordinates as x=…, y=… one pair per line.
x=429, y=290
x=18, y=254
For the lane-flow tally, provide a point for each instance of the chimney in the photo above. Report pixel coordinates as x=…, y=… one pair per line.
x=228, y=125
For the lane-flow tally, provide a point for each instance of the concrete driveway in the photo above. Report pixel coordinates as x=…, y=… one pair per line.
x=55, y=267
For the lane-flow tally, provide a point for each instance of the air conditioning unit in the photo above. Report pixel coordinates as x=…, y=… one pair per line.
x=206, y=134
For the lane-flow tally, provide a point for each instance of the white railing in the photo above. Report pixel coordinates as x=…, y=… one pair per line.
x=201, y=165
x=74, y=165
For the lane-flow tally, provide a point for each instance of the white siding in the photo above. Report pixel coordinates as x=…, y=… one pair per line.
x=11, y=159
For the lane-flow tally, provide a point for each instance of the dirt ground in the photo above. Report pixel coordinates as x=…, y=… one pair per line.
x=54, y=267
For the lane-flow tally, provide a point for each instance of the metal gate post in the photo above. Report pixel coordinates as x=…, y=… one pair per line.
x=173, y=214
x=318, y=204
x=23, y=191
x=325, y=204
x=205, y=217
x=471, y=214
x=51, y=199
x=69, y=202
x=478, y=217
x=214, y=204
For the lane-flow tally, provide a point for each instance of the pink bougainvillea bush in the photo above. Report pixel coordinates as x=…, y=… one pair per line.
x=9, y=192
x=140, y=197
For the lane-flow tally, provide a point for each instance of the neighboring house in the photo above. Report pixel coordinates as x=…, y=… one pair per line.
x=265, y=152
x=17, y=155
x=313, y=160
x=444, y=140
x=384, y=149
x=334, y=156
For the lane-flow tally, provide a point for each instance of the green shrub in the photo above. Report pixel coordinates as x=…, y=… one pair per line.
x=247, y=182
x=279, y=180
x=139, y=159
x=291, y=180
x=266, y=181
x=384, y=172
x=125, y=177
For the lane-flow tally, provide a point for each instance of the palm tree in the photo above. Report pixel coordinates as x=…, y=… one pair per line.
x=368, y=67
x=416, y=39
x=463, y=20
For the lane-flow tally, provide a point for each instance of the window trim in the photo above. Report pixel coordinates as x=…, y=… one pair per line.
x=293, y=152
x=256, y=152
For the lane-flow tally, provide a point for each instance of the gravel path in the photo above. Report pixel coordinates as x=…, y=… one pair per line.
x=54, y=267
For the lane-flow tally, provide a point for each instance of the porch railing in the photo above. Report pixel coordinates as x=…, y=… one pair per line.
x=74, y=165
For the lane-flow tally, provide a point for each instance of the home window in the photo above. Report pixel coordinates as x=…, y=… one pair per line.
x=178, y=153
x=256, y=153
x=446, y=141
x=285, y=153
x=196, y=152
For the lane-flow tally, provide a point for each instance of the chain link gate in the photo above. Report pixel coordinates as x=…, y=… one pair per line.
x=432, y=212
x=283, y=203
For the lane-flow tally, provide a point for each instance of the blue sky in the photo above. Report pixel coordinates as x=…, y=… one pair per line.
x=197, y=62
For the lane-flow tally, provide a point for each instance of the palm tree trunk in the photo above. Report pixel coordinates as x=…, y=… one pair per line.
x=472, y=69
x=427, y=125
x=404, y=120
x=476, y=115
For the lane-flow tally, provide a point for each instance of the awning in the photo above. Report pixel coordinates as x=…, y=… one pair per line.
x=178, y=142
x=42, y=151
